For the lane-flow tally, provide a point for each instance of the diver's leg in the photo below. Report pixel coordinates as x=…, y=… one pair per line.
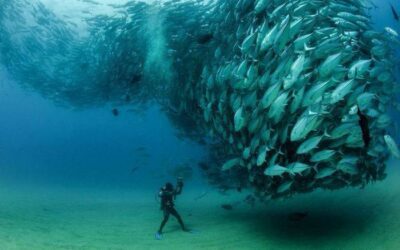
x=166, y=217
x=178, y=217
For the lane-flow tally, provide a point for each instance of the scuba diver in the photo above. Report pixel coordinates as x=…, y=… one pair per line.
x=167, y=195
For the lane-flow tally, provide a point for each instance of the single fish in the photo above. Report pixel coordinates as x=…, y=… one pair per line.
x=329, y=65
x=239, y=119
x=140, y=149
x=205, y=38
x=303, y=127
x=297, y=216
x=297, y=168
x=227, y=206
x=262, y=155
x=230, y=164
x=115, y=112
x=341, y=91
x=136, y=78
x=204, y=193
x=309, y=145
x=391, y=144
x=127, y=98
x=275, y=170
x=391, y=31
x=284, y=187
x=250, y=200
x=325, y=172
x=260, y=6
x=323, y=155
x=134, y=169
x=394, y=12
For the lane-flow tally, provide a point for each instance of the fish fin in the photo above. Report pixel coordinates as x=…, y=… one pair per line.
x=315, y=167
x=377, y=97
x=312, y=113
x=326, y=134
x=306, y=48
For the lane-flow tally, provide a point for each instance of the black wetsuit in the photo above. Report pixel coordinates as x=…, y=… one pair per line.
x=167, y=205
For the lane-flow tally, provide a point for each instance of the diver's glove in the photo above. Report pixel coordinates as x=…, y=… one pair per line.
x=179, y=182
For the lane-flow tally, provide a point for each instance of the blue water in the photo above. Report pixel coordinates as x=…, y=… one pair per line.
x=48, y=145
x=51, y=146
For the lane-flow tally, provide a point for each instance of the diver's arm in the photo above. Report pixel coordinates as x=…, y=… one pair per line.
x=178, y=190
x=179, y=187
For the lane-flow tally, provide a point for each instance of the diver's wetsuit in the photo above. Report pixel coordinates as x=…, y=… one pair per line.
x=167, y=205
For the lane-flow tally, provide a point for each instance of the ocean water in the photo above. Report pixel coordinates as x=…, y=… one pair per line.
x=101, y=105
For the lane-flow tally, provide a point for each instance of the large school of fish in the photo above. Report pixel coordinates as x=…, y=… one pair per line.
x=47, y=53
x=278, y=86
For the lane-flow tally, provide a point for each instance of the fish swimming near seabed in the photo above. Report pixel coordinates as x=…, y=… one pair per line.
x=203, y=194
x=297, y=216
x=227, y=207
x=134, y=169
x=140, y=149
x=115, y=112
x=250, y=200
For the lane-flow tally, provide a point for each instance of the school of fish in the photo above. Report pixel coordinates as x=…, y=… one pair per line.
x=277, y=85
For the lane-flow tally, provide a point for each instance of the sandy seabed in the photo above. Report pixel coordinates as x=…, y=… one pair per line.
x=54, y=218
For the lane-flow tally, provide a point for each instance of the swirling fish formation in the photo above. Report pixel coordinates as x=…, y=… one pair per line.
x=281, y=90
x=279, y=86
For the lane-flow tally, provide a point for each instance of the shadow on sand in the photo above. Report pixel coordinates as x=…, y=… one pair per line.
x=324, y=224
